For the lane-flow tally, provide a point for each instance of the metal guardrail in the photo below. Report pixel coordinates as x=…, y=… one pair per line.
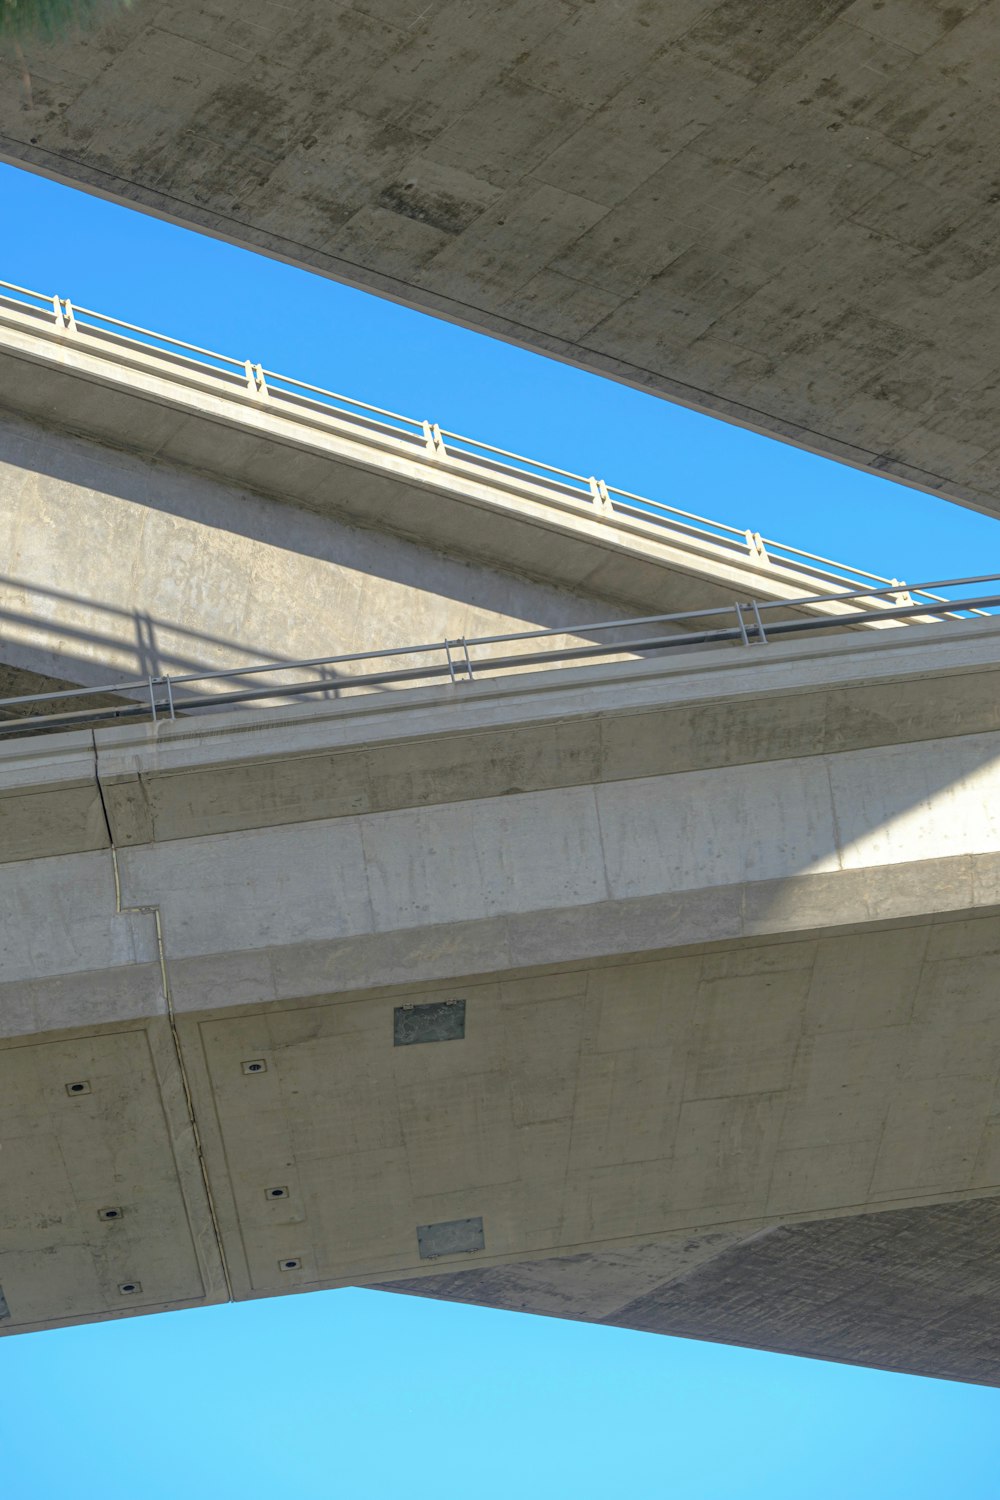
x=159, y=698
x=252, y=381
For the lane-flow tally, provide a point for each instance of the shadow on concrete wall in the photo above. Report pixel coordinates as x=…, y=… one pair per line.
x=268, y=520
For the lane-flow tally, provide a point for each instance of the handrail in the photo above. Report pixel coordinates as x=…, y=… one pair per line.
x=161, y=699
x=80, y=315
x=690, y=515
x=517, y=458
x=318, y=390
x=608, y=501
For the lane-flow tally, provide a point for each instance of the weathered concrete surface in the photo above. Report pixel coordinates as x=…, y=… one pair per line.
x=903, y=1290
x=155, y=519
x=782, y=214
x=708, y=992
x=116, y=569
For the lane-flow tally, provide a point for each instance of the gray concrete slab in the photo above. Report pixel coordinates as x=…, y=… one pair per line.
x=784, y=218
x=697, y=1008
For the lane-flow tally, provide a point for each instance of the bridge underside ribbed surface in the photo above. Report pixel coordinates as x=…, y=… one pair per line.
x=911, y=1290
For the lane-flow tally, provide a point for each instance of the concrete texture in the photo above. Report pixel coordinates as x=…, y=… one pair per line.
x=211, y=514
x=784, y=215
x=213, y=575
x=909, y=1290
x=705, y=996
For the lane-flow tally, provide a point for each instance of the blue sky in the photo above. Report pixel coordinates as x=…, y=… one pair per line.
x=363, y=1395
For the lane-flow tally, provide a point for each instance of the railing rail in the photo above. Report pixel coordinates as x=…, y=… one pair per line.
x=256, y=382
x=165, y=697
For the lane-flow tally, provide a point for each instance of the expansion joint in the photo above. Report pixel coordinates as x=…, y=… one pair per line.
x=154, y=911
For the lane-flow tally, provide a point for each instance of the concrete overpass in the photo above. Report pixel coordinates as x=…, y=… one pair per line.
x=656, y=991
x=785, y=215
x=169, y=510
x=659, y=994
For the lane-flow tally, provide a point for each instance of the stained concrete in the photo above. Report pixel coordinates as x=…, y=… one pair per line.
x=705, y=999
x=785, y=215
x=722, y=926
x=909, y=1290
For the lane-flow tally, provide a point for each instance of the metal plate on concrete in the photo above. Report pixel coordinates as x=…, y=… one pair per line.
x=373, y=1139
x=440, y=1021
x=452, y=1237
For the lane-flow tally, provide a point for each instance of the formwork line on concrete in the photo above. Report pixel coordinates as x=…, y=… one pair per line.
x=150, y=909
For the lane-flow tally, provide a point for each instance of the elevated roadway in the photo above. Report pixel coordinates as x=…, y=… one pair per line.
x=166, y=509
x=658, y=994
x=785, y=215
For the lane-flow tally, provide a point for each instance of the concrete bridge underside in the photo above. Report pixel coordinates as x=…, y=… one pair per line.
x=785, y=215
x=660, y=995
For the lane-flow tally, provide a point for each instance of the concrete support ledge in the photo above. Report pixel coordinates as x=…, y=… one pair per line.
x=227, y=772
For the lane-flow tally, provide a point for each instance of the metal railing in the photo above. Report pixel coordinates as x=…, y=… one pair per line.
x=458, y=663
x=250, y=380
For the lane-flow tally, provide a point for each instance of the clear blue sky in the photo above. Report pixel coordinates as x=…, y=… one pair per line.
x=367, y=1396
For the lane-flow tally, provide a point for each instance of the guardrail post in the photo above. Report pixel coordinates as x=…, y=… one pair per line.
x=63, y=309
x=762, y=638
x=902, y=596
x=599, y=493
x=256, y=384
x=433, y=441
x=755, y=545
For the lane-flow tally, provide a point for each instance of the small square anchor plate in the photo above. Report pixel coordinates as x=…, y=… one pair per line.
x=439, y=1021
x=451, y=1237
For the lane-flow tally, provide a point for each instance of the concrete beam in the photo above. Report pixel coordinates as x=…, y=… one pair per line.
x=786, y=220
x=156, y=517
x=702, y=995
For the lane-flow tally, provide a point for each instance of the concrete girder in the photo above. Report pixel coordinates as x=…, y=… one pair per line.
x=211, y=513
x=725, y=930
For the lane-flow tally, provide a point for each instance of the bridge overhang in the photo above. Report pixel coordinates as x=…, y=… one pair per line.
x=163, y=513
x=712, y=943
x=786, y=219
